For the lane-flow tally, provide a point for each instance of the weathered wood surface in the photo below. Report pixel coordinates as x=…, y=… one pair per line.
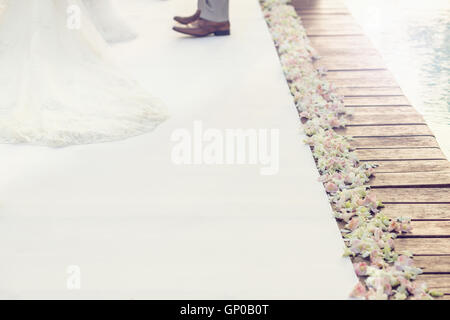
x=331, y=11
x=413, y=176
x=363, y=79
x=355, y=62
x=369, y=91
x=440, y=282
x=386, y=131
x=345, y=45
x=361, y=75
x=369, y=111
x=385, y=118
x=338, y=19
x=423, y=228
x=376, y=101
x=405, y=179
x=400, y=154
x=411, y=165
x=428, y=211
x=395, y=142
x=318, y=4
x=424, y=246
x=433, y=264
x=332, y=27
x=411, y=195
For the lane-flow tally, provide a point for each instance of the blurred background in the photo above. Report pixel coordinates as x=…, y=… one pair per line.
x=413, y=36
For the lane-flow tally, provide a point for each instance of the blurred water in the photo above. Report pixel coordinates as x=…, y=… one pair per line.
x=413, y=36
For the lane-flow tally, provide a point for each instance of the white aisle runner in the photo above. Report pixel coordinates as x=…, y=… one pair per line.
x=139, y=226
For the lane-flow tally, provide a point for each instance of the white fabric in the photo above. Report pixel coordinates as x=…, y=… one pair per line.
x=140, y=226
x=58, y=85
x=112, y=28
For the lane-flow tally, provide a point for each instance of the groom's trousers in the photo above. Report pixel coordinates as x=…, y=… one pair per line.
x=214, y=10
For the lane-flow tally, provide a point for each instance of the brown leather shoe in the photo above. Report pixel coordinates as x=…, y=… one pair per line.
x=203, y=28
x=187, y=20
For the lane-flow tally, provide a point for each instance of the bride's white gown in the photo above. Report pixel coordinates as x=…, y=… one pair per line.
x=107, y=22
x=57, y=85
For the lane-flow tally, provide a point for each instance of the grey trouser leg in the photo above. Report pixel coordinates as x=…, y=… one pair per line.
x=201, y=5
x=214, y=10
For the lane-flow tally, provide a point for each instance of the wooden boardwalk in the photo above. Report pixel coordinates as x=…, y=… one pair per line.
x=413, y=177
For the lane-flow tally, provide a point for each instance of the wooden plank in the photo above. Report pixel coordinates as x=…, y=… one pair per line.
x=440, y=282
x=335, y=23
x=395, y=142
x=359, y=75
x=347, y=51
x=322, y=9
x=423, y=246
x=381, y=110
x=411, y=179
x=319, y=7
x=377, y=101
x=381, y=131
x=384, y=119
x=346, y=48
x=433, y=263
x=317, y=28
x=307, y=19
x=400, y=154
x=351, y=62
x=326, y=11
x=361, y=82
x=412, y=195
x=368, y=91
x=429, y=229
x=361, y=78
x=318, y=4
x=418, y=211
x=316, y=32
x=412, y=165
x=342, y=42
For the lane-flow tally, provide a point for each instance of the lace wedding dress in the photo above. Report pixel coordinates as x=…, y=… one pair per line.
x=107, y=22
x=57, y=85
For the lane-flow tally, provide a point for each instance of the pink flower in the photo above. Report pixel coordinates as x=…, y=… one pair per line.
x=378, y=233
x=395, y=226
x=360, y=268
x=376, y=295
x=376, y=259
x=330, y=187
x=385, y=284
x=335, y=123
x=337, y=176
x=391, y=243
x=359, y=291
x=402, y=262
x=353, y=224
